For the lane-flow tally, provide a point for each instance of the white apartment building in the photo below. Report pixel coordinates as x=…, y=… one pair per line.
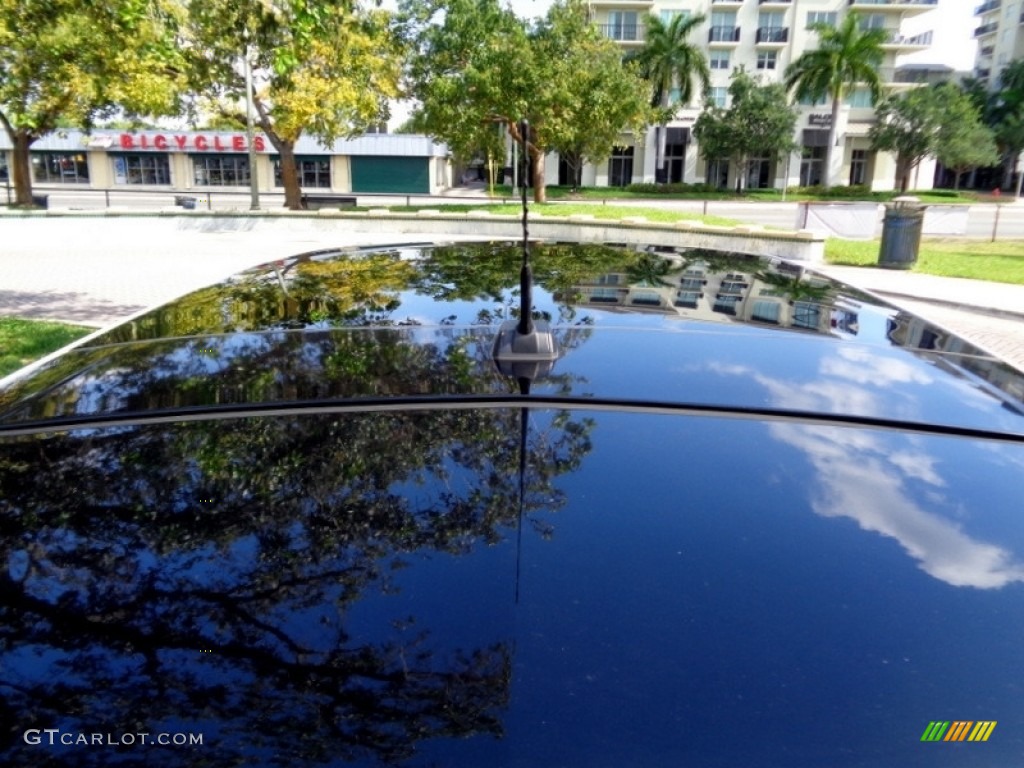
x=764, y=36
x=999, y=36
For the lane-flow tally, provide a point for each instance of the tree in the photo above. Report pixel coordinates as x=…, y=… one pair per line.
x=963, y=141
x=323, y=68
x=846, y=55
x=939, y=121
x=601, y=101
x=667, y=61
x=68, y=62
x=475, y=64
x=1005, y=115
x=758, y=123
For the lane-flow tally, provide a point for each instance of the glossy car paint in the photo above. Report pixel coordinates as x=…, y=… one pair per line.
x=624, y=567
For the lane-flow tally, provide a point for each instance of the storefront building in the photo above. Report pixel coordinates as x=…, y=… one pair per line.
x=194, y=161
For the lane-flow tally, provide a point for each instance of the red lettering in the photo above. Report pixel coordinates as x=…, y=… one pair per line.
x=181, y=141
x=258, y=142
x=160, y=141
x=144, y=141
x=201, y=143
x=217, y=145
x=126, y=141
x=238, y=143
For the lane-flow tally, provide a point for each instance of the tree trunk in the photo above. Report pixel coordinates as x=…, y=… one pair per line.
x=540, y=193
x=22, y=170
x=956, y=181
x=289, y=175
x=833, y=133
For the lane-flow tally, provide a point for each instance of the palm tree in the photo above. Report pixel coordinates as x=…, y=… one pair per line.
x=846, y=55
x=668, y=61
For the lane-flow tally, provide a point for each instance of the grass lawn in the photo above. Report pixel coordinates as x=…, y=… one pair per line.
x=22, y=341
x=1001, y=261
x=838, y=194
x=571, y=209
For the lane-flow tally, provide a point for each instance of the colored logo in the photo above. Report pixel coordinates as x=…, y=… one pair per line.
x=958, y=730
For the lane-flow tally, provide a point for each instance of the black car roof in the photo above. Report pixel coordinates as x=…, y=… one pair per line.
x=314, y=524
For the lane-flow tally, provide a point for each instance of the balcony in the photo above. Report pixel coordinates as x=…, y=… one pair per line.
x=781, y=3
x=617, y=4
x=622, y=33
x=727, y=3
x=986, y=29
x=986, y=50
x=991, y=5
x=723, y=35
x=772, y=36
x=906, y=7
x=900, y=42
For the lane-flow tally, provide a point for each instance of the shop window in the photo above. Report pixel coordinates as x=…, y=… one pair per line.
x=858, y=167
x=313, y=172
x=142, y=169
x=220, y=170
x=59, y=168
x=620, y=167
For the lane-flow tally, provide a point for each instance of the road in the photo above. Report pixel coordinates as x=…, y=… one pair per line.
x=984, y=220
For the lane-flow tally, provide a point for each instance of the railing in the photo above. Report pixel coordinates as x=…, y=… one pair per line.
x=727, y=2
x=622, y=32
x=894, y=2
x=724, y=35
x=986, y=29
x=774, y=2
x=991, y=5
x=987, y=50
x=895, y=38
x=772, y=34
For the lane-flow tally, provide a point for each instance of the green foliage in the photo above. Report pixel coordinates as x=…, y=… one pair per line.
x=325, y=68
x=942, y=121
x=846, y=55
x=70, y=62
x=667, y=60
x=758, y=123
x=477, y=65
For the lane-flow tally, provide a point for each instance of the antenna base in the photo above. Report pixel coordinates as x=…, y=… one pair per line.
x=525, y=354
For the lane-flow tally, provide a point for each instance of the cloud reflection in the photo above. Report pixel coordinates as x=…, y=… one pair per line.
x=863, y=476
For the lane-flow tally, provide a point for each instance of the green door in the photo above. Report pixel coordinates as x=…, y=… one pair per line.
x=371, y=173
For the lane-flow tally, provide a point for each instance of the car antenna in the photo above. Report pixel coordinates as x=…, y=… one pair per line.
x=525, y=348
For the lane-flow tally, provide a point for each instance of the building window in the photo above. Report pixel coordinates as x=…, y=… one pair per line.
x=142, y=169
x=59, y=168
x=766, y=59
x=719, y=59
x=858, y=167
x=620, y=167
x=822, y=17
x=621, y=25
x=718, y=172
x=719, y=96
x=806, y=101
x=759, y=173
x=4, y=172
x=812, y=163
x=220, y=170
x=668, y=16
x=770, y=20
x=859, y=99
x=872, y=21
x=675, y=154
x=313, y=172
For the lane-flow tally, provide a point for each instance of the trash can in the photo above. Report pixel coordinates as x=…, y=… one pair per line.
x=185, y=201
x=40, y=201
x=901, y=233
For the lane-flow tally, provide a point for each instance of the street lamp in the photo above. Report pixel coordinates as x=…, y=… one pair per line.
x=254, y=189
